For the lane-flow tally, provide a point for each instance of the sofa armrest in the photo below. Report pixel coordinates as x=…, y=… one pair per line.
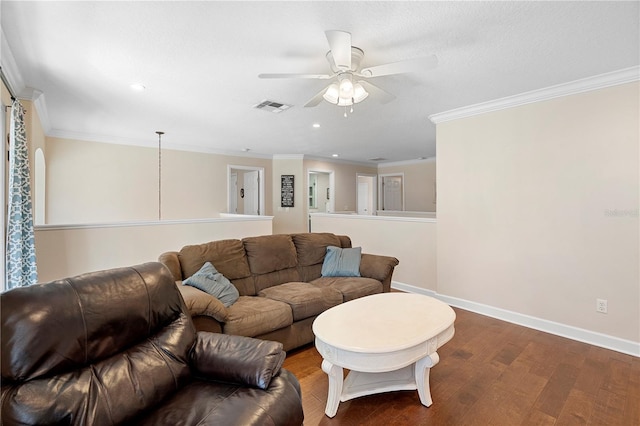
x=200, y=303
x=236, y=359
x=379, y=268
x=170, y=260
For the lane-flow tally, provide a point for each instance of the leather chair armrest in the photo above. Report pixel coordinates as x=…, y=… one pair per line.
x=236, y=359
x=170, y=260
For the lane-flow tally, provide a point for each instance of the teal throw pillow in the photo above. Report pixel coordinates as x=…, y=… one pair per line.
x=342, y=262
x=209, y=280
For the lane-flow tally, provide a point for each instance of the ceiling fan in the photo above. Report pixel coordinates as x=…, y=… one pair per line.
x=351, y=84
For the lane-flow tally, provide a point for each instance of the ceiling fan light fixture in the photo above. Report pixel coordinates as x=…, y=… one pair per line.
x=332, y=94
x=359, y=94
x=346, y=88
x=345, y=101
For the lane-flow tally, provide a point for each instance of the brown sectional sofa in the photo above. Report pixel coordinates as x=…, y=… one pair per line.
x=279, y=281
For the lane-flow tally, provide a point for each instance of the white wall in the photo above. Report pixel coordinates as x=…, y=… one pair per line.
x=64, y=251
x=538, y=210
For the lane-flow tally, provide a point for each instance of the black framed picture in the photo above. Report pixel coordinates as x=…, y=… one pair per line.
x=286, y=190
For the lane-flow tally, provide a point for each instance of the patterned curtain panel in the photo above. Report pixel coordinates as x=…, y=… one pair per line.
x=21, y=251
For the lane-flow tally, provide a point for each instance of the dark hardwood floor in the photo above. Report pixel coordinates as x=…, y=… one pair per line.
x=493, y=373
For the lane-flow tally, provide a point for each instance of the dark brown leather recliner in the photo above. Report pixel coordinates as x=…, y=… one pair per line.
x=118, y=347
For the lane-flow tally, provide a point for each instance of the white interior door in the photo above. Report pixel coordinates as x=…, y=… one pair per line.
x=363, y=196
x=366, y=201
x=251, y=193
x=233, y=193
x=392, y=193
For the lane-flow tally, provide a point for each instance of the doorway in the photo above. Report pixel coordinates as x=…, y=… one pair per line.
x=245, y=194
x=366, y=194
x=320, y=191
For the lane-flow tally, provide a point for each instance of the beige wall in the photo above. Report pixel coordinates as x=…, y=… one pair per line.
x=411, y=240
x=71, y=250
x=288, y=220
x=419, y=183
x=89, y=182
x=538, y=210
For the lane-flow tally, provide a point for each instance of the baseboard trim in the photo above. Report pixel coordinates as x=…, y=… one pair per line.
x=581, y=335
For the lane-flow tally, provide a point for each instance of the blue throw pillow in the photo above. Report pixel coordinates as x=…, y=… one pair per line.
x=209, y=280
x=341, y=262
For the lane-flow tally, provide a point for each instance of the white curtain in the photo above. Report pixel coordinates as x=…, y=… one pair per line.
x=21, y=251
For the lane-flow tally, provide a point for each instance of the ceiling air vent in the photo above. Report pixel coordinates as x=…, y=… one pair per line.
x=271, y=106
x=377, y=159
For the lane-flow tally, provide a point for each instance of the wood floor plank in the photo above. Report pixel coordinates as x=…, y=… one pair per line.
x=493, y=373
x=578, y=408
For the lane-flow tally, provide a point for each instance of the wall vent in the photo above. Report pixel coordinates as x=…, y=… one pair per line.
x=271, y=106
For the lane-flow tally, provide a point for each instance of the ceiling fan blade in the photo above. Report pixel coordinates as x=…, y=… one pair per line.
x=340, y=46
x=315, y=101
x=412, y=65
x=311, y=76
x=382, y=95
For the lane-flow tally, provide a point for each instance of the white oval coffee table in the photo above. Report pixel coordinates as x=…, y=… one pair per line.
x=388, y=342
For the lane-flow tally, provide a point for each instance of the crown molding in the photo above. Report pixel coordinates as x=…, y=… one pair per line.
x=41, y=108
x=626, y=75
x=407, y=162
x=148, y=143
x=37, y=98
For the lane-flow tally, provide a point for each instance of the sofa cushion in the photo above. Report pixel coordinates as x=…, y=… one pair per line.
x=269, y=253
x=275, y=278
x=214, y=283
x=305, y=300
x=339, y=262
x=251, y=316
x=227, y=256
x=312, y=247
x=350, y=287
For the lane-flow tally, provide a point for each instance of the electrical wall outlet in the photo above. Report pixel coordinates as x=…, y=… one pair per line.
x=601, y=305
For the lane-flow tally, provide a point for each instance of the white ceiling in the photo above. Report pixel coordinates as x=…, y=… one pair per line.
x=199, y=62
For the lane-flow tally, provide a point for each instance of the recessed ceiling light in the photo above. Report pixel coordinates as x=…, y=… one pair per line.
x=316, y=125
x=335, y=155
x=137, y=87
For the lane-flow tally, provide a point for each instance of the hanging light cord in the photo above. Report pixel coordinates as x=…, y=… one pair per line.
x=160, y=174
